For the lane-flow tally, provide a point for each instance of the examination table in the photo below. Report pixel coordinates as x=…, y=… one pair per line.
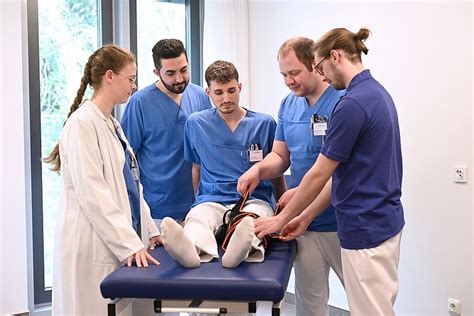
x=207, y=289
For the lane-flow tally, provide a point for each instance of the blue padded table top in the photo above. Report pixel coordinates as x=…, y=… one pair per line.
x=265, y=281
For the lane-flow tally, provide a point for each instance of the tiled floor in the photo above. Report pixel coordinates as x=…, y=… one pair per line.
x=288, y=308
x=265, y=309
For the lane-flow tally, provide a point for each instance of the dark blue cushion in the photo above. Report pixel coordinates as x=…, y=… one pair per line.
x=265, y=281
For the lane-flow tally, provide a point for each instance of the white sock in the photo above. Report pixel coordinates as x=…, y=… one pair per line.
x=178, y=245
x=240, y=244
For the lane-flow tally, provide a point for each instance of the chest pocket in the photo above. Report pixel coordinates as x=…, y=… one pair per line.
x=246, y=164
x=156, y=138
x=225, y=158
x=299, y=138
x=175, y=135
x=165, y=137
x=303, y=146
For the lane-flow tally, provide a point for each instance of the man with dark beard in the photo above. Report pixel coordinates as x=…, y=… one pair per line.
x=153, y=122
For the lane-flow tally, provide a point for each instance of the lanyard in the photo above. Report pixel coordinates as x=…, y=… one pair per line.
x=135, y=172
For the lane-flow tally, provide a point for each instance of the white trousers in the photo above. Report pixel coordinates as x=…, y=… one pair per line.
x=203, y=220
x=317, y=253
x=371, y=278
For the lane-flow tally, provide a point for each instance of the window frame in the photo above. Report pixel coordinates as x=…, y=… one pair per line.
x=41, y=295
x=194, y=30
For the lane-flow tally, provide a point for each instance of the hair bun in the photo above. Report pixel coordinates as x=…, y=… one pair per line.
x=363, y=34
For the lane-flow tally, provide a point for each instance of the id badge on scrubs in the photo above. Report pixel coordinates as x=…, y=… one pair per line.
x=254, y=153
x=319, y=125
x=319, y=129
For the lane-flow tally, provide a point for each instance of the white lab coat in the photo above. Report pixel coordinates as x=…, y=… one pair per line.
x=94, y=234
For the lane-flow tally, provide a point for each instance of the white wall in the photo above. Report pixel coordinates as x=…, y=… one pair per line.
x=13, y=235
x=472, y=156
x=222, y=18
x=422, y=53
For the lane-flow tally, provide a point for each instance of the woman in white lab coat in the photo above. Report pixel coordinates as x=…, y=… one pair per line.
x=94, y=233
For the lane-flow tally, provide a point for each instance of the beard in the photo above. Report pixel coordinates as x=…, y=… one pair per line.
x=177, y=88
x=338, y=82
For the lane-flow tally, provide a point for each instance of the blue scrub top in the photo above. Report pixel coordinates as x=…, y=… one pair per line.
x=294, y=128
x=132, y=190
x=222, y=153
x=364, y=136
x=154, y=126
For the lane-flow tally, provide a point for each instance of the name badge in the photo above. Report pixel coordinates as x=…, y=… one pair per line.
x=319, y=124
x=319, y=129
x=134, y=169
x=254, y=153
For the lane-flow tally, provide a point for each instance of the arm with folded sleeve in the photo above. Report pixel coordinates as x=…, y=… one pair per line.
x=279, y=185
x=271, y=167
x=310, y=187
x=298, y=225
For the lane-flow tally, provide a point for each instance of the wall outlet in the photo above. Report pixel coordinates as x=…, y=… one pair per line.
x=454, y=307
x=460, y=174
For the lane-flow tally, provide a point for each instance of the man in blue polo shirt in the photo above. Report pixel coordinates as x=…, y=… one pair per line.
x=362, y=153
x=300, y=133
x=153, y=123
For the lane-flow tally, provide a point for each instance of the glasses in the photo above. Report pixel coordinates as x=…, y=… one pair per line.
x=132, y=79
x=318, y=67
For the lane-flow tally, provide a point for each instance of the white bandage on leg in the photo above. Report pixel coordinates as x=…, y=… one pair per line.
x=178, y=245
x=240, y=244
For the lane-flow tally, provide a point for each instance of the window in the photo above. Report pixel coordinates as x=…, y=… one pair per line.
x=61, y=36
x=67, y=33
x=152, y=20
x=60, y=73
x=156, y=20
